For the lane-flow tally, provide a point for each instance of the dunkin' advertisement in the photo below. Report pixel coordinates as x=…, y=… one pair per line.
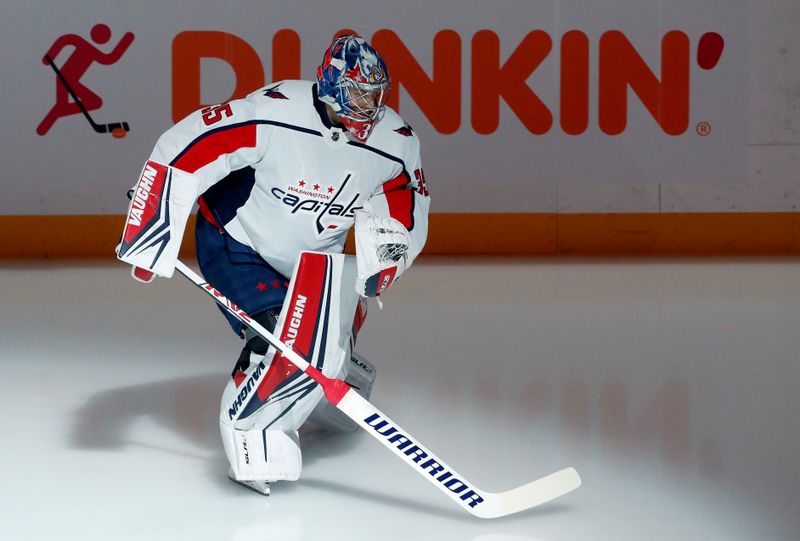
x=566, y=106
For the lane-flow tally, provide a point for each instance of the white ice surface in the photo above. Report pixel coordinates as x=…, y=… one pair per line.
x=672, y=386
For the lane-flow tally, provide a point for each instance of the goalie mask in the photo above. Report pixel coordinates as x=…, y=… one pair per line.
x=354, y=81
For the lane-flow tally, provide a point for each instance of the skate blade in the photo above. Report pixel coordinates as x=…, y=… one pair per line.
x=261, y=489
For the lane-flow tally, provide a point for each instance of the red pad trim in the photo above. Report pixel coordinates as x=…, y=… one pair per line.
x=400, y=199
x=207, y=149
x=301, y=320
x=385, y=279
x=146, y=200
x=143, y=275
x=360, y=317
x=239, y=377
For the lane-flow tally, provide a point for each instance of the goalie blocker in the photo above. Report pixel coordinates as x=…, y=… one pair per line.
x=161, y=202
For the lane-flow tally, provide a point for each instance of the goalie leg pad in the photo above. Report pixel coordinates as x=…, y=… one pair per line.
x=317, y=321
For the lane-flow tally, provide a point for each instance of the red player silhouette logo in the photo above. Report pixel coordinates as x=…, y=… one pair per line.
x=68, y=78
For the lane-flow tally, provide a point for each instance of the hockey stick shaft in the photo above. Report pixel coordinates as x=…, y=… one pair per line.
x=97, y=127
x=477, y=502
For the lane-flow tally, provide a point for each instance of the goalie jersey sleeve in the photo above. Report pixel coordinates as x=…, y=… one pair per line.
x=214, y=141
x=193, y=155
x=405, y=197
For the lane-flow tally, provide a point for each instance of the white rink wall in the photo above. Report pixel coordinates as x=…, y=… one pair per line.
x=750, y=99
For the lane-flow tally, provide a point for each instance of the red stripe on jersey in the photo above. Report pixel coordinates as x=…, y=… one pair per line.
x=301, y=320
x=207, y=214
x=400, y=199
x=209, y=148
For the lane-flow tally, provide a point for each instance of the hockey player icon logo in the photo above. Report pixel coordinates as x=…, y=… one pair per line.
x=68, y=77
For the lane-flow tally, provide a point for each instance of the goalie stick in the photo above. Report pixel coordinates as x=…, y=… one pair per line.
x=478, y=502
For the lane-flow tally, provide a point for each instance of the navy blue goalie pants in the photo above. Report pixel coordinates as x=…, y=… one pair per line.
x=238, y=272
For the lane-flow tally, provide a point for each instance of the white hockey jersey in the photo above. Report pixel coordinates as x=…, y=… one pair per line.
x=279, y=178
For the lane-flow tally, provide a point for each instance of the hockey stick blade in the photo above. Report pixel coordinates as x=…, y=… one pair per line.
x=118, y=126
x=478, y=502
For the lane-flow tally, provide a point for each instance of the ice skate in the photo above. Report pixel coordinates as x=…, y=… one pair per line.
x=261, y=487
x=258, y=457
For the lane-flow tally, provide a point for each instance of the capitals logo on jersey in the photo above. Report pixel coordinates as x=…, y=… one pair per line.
x=333, y=207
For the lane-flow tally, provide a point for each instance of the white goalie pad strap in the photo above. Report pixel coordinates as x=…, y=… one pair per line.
x=316, y=321
x=262, y=455
x=381, y=253
x=160, y=206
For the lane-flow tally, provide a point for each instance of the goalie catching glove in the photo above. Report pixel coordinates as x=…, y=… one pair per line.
x=381, y=253
x=160, y=205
